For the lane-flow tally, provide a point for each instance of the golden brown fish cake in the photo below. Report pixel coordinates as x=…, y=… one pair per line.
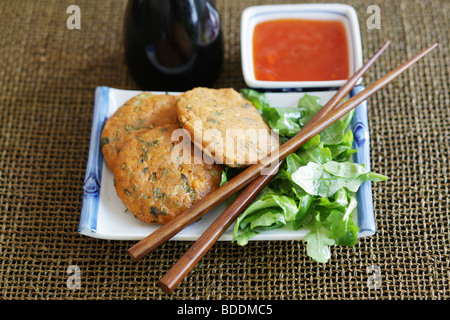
x=155, y=182
x=225, y=126
x=133, y=118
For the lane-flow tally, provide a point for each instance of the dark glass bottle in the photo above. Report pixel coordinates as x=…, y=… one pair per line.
x=173, y=44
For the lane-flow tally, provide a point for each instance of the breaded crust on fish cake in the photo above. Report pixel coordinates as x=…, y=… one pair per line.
x=133, y=118
x=157, y=184
x=225, y=126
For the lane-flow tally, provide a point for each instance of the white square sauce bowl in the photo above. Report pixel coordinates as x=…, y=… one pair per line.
x=344, y=14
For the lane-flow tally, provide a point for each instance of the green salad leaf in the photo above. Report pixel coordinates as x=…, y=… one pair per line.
x=318, y=241
x=269, y=212
x=284, y=120
x=325, y=180
x=315, y=189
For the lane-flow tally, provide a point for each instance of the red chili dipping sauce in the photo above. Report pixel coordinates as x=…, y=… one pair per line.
x=300, y=50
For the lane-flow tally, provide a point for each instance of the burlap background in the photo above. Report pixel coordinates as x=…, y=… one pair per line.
x=48, y=75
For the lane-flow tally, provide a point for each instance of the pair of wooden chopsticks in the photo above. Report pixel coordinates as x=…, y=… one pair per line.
x=255, y=180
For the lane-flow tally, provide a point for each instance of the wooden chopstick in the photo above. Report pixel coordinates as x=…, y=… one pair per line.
x=168, y=230
x=200, y=247
x=187, y=262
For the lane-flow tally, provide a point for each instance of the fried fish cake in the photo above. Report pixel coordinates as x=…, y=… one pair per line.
x=133, y=118
x=226, y=126
x=156, y=181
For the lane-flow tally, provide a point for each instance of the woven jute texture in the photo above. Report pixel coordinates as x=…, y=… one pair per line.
x=48, y=75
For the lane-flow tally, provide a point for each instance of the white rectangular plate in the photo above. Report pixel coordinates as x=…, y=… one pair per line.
x=103, y=215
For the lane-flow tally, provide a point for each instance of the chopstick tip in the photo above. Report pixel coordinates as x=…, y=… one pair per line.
x=132, y=255
x=164, y=287
x=427, y=50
